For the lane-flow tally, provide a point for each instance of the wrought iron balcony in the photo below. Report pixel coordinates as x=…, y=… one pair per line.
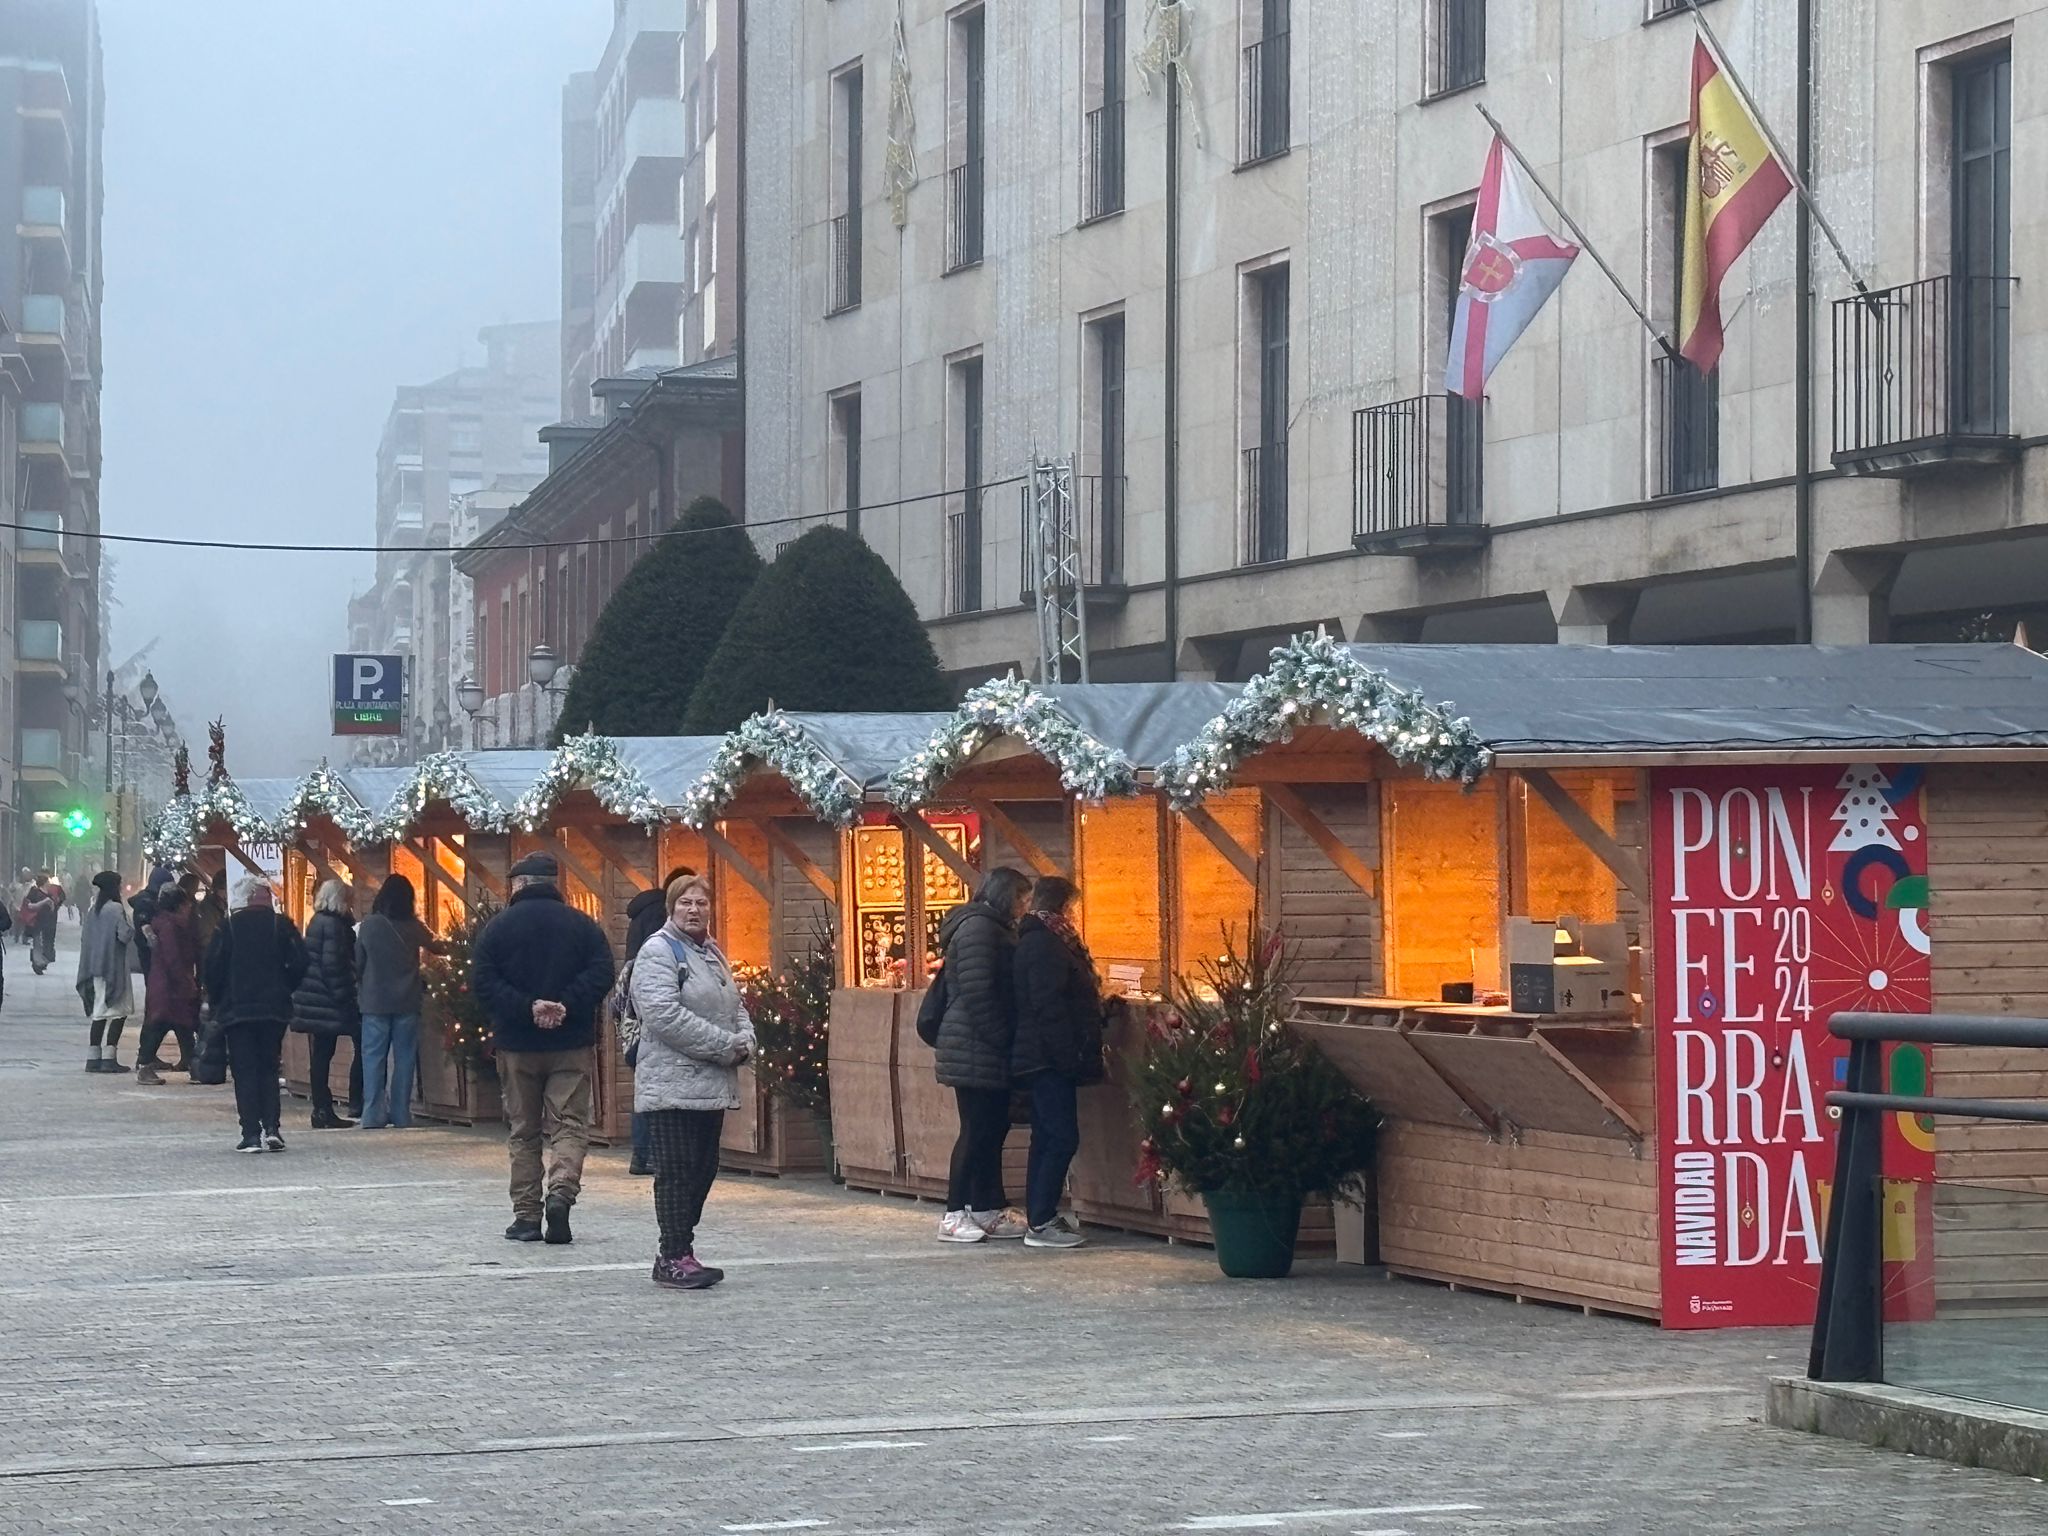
x=1923, y=376
x=963, y=216
x=845, y=262
x=964, y=551
x=1263, y=528
x=1102, y=161
x=1688, y=405
x=1418, y=475
x=1265, y=126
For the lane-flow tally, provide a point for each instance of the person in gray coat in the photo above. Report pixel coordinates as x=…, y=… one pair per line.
x=976, y=1033
x=106, y=970
x=693, y=1035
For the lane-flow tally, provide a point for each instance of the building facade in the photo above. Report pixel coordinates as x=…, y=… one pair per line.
x=472, y=430
x=712, y=47
x=51, y=115
x=1209, y=252
x=579, y=241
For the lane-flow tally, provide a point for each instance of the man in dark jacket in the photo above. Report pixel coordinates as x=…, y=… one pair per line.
x=1059, y=1047
x=254, y=964
x=644, y=914
x=976, y=1033
x=541, y=968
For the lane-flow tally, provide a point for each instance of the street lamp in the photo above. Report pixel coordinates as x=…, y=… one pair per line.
x=148, y=690
x=541, y=667
x=469, y=693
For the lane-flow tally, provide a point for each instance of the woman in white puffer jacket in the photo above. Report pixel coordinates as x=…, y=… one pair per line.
x=694, y=1036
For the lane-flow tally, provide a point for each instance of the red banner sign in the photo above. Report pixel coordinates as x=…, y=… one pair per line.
x=1783, y=896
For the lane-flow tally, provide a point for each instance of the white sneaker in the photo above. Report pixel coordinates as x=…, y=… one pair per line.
x=960, y=1227
x=1001, y=1223
x=1053, y=1235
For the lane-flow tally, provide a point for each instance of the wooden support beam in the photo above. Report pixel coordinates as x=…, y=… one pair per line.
x=1341, y=855
x=1040, y=861
x=596, y=853
x=323, y=869
x=939, y=848
x=1199, y=818
x=558, y=848
x=788, y=847
x=247, y=863
x=423, y=850
x=738, y=862
x=1622, y=861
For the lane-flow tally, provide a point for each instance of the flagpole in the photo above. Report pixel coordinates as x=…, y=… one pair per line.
x=1578, y=234
x=1785, y=161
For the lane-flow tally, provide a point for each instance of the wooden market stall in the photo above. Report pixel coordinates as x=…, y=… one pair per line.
x=1592, y=992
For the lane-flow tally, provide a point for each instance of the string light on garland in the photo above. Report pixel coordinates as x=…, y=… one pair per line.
x=437, y=776
x=1009, y=706
x=1316, y=678
x=590, y=760
x=322, y=793
x=778, y=741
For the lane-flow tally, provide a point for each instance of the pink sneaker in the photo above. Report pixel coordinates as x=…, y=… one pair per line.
x=686, y=1274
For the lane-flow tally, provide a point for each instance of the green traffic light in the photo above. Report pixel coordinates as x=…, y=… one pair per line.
x=77, y=822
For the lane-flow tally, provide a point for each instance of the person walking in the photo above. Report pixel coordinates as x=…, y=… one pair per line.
x=694, y=1035
x=391, y=994
x=41, y=904
x=645, y=914
x=324, y=1007
x=1059, y=1047
x=540, y=968
x=976, y=1033
x=141, y=910
x=170, y=1000
x=253, y=967
x=106, y=970
x=17, y=904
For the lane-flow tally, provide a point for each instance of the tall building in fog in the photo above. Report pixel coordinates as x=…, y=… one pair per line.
x=639, y=250
x=52, y=108
x=710, y=205
x=579, y=241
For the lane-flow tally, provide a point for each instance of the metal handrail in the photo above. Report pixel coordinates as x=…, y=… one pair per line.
x=1848, y=1319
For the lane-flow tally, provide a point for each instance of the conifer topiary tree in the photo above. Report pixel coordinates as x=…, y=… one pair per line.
x=654, y=638
x=827, y=627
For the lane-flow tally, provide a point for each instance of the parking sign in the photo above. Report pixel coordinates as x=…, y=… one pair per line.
x=369, y=695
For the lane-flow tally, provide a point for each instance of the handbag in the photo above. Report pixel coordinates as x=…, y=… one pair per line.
x=210, y=1063
x=932, y=1011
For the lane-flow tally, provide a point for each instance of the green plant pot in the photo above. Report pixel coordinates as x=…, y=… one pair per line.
x=1254, y=1232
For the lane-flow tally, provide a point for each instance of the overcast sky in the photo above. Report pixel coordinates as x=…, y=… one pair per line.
x=307, y=205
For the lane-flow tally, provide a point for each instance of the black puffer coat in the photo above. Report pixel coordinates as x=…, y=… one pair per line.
x=324, y=1002
x=1059, y=1006
x=980, y=1025
x=254, y=964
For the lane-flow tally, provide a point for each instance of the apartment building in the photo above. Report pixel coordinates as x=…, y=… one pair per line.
x=1209, y=252
x=579, y=241
x=708, y=325
x=51, y=115
x=640, y=272
x=471, y=430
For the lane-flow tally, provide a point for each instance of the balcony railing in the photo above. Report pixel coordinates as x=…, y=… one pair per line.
x=41, y=424
x=43, y=207
x=1923, y=375
x=964, y=553
x=39, y=640
x=1460, y=55
x=1418, y=473
x=845, y=262
x=42, y=749
x=1102, y=161
x=1098, y=526
x=1264, y=499
x=1264, y=130
x=963, y=216
x=1688, y=427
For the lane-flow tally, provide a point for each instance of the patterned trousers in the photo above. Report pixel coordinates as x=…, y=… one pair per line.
x=682, y=1145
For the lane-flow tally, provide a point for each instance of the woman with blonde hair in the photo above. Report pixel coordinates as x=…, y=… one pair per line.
x=693, y=1035
x=324, y=1003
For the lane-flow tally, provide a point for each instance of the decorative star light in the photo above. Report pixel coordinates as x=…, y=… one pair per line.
x=1315, y=676
x=1009, y=706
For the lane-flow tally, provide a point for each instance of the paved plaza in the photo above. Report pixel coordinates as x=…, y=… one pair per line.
x=338, y=1339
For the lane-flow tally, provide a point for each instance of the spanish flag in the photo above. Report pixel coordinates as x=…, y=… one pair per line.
x=1733, y=183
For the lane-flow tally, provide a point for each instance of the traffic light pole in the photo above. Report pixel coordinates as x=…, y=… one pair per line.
x=106, y=811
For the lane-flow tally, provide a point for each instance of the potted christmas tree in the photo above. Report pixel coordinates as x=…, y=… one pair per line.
x=791, y=1009
x=457, y=1074
x=1239, y=1110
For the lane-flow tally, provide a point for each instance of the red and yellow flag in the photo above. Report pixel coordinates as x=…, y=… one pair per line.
x=1733, y=183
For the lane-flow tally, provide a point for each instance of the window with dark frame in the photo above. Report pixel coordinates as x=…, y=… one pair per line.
x=1105, y=505
x=1464, y=419
x=1265, y=123
x=1980, y=245
x=1457, y=45
x=1688, y=402
x=964, y=179
x=964, y=524
x=846, y=428
x=849, y=94
x=1265, y=461
x=1102, y=130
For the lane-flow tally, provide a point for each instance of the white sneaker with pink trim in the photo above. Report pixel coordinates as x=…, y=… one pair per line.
x=960, y=1227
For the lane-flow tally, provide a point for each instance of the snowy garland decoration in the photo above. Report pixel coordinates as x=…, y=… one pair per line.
x=1009, y=706
x=322, y=793
x=1315, y=677
x=593, y=760
x=439, y=775
x=171, y=836
x=773, y=738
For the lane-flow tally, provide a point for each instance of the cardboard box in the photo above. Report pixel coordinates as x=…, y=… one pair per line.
x=1567, y=967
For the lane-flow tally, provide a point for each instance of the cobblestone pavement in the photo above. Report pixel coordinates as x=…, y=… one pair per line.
x=339, y=1339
